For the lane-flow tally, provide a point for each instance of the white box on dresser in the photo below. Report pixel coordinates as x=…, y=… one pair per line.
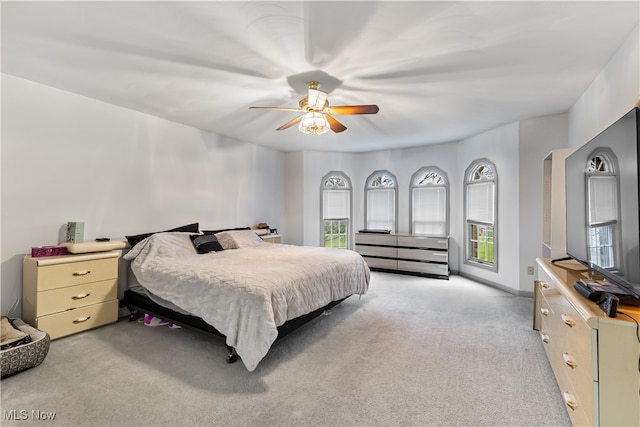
x=63, y=295
x=594, y=358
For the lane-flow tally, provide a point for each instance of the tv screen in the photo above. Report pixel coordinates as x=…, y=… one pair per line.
x=603, y=225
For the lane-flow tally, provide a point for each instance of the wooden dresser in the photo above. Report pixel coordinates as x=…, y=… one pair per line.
x=595, y=358
x=66, y=294
x=411, y=254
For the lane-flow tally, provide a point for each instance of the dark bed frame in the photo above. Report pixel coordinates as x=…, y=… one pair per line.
x=139, y=305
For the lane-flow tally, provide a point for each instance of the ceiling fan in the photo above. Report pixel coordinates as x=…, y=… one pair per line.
x=317, y=117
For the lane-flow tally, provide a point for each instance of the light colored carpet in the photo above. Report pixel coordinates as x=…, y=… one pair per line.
x=412, y=352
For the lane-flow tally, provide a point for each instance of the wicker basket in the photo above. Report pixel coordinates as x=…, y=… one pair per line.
x=26, y=356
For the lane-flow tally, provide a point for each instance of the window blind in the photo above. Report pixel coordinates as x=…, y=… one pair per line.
x=429, y=210
x=335, y=204
x=480, y=202
x=381, y=209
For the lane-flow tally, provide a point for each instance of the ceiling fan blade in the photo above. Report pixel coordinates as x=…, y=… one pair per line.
x=290, y=123
x=335, y=125
x=354, y=109
x=276, y=108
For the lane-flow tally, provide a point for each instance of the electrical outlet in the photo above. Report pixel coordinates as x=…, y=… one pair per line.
x=530, y=270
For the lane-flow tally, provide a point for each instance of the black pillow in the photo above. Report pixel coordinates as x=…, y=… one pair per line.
x=205, y=243
x=189, y=228
x=224, y=229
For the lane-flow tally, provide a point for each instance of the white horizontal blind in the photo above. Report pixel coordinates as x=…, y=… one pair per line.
x=480, y=197
x=335, y=204
x=603, y=200
x=429, y=210
x=381, y=209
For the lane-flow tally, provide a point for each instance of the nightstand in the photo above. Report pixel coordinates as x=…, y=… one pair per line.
x=271, y=238
x=63, y=295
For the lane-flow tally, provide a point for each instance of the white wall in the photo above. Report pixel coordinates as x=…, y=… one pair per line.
x=614, y=92
x=538, y=137
x=70, y=158
x=307, y=169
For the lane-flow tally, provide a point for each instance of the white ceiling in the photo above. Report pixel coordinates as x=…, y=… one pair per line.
x=439, y=70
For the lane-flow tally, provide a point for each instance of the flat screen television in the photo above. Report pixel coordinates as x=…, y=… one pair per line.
x=603, y=224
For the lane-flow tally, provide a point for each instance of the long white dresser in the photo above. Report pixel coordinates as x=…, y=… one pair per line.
x=594, y=357
x=409, y=254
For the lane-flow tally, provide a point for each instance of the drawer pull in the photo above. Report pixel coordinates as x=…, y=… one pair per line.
x=569, y=360
x=82, y=296
x=545, y=338
x=82, y=273
x=544, y=285
x=568, y=320
x=569, y=400
x=544, y=311
x=82, y=319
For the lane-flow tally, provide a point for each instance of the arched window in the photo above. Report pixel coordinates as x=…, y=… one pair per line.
x=481, y=182
x=335, y=205
x=381, y=201
x=429, y=208
x=602, y=208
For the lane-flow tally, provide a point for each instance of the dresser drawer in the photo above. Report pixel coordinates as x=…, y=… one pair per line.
x=424, y=267
x=380, y=251
x=423, y=255
x=423, y=242
x=574, y=349
x=78, y=320
x=61, y=299
x=376, y=239
x=579, y=377
x=581, y=414
x=388, y=264
x=75, y=273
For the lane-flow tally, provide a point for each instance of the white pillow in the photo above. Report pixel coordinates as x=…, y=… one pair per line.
x=171, y=244
x=238, y=239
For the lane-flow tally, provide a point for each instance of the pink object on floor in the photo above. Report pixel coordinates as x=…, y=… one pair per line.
x=150, y=320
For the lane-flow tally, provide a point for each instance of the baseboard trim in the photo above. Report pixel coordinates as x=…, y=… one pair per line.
x=512, y=291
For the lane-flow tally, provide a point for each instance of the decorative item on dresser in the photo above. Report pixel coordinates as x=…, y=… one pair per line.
x=66, y=294
x=408, y=254
x=594, y=357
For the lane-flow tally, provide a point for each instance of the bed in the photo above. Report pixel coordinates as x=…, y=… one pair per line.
x=246, y=290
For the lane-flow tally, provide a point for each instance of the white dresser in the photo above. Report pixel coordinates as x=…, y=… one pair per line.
x=400, y=253
x=63, y=295
x=594, y=358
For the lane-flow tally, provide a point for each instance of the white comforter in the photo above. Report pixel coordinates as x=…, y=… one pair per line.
x=247, y=293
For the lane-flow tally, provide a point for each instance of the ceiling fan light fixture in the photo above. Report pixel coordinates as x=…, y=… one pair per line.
x=314, y=123
x=316, y=99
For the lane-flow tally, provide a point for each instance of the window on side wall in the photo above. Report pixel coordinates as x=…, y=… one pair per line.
x=429, y=202
x=381, y=201
x=336, y=210
x=480, y=189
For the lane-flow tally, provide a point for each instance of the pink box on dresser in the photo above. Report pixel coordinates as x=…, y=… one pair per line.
x=43, y=251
